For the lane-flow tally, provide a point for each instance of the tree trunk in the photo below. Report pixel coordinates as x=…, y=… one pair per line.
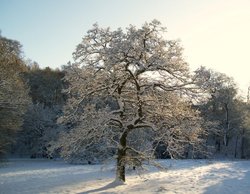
x=236, y=146
x=243, y=144
x=120, y=168
x=121, y=154
x=226, y=128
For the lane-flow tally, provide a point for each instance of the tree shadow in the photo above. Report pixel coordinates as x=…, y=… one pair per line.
x=111, y=185
x=238, y=183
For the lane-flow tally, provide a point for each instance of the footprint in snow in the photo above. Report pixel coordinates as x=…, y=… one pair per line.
x=161, y=189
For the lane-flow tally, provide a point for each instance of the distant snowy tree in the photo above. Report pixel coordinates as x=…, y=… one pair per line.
x=223, y=107
x=148, y=82
x=39, y=125
x=38, y=130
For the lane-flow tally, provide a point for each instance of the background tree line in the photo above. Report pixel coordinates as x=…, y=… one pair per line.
x=113, y=92
x=30, y=102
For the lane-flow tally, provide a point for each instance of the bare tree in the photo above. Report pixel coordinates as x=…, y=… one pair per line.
x=147, y=82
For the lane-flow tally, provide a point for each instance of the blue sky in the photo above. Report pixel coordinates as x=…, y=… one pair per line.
x=214, y=33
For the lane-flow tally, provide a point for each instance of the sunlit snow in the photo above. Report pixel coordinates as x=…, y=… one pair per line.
x=181, y=176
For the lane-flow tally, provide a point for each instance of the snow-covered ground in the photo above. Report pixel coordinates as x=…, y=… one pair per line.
x=183, y=176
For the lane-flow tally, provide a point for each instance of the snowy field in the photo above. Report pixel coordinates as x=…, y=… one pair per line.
x=183, y=176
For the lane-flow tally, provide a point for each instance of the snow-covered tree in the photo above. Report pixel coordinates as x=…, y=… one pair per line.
x=128, y=92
